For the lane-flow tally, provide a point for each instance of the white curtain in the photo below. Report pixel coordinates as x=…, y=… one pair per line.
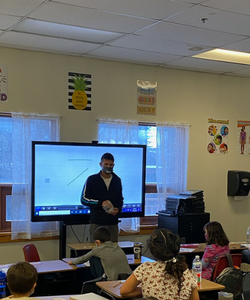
x=172, y=140
x=171, y=159
x=120, y=132
x=25, y=129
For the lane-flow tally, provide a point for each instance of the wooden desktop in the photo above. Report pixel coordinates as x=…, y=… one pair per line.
x=82, y=248
x=113, y=288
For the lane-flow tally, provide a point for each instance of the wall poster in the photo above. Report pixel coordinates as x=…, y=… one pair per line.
x=217, y=136
x=146, y=97
x=79, y=91
x=243, y=129
x=3, y=84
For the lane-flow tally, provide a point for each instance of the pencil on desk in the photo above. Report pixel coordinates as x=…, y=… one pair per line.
x=117, y=284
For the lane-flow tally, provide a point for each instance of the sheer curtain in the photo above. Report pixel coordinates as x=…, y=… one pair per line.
x=25, y=129
x=171, y=159
x=120, y=132
x=172, y=141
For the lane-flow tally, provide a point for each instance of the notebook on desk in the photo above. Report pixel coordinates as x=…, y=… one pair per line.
x=189, y=245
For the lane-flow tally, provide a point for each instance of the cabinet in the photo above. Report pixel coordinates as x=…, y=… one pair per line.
x=188, y=226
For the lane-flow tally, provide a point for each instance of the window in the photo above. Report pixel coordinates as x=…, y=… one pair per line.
x=17, y=130
x=167, y=154
x=5, y=168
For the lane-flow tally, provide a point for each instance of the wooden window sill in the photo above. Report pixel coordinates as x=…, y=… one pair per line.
x=5, y=237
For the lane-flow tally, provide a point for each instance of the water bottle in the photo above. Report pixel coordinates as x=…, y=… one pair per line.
x=197, y=268
x=2, y=284
x=248, y=234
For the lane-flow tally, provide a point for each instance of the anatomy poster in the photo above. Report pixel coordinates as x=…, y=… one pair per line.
x=243, y=137
x=217, y=136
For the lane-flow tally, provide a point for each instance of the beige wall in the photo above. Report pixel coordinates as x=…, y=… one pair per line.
x=38, y=84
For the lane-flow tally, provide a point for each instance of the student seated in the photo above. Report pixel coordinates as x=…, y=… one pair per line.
x=112, y=257
x=168, y=277
x=21, y=280
x=217, y=245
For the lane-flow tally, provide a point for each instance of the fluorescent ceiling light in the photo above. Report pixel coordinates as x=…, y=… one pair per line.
x=226, y=55
x=65, y=31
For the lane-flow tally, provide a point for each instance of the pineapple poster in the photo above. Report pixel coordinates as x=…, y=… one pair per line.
x=79, y=91
x=3, y=84
x=146, y=97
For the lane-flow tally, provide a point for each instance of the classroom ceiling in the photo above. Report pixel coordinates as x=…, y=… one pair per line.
x=152, y=32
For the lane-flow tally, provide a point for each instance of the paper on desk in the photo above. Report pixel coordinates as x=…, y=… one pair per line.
x=87, y=263
x=186, y=249
x=88, y=296
x=246, y=245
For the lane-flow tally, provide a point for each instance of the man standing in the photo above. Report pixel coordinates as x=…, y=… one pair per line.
x=102, y=192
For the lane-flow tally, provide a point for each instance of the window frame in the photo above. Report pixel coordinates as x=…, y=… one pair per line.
x=5, y=189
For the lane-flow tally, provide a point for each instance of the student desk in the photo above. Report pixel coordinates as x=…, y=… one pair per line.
x=81, y=249
x=113, y=288
x=87, y=296
x=132, y=262
x=190, y=250
x=53, y=276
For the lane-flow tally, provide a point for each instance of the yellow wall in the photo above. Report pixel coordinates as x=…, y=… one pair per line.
x=37, y=83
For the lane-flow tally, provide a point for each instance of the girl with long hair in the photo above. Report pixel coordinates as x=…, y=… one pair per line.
x=168, y=277
x=217, y=245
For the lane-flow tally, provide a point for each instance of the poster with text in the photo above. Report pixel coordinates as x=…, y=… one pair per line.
x=146, y=97
x=79, y=91
x=243, y=130
x=217, y=136
x=3, y=84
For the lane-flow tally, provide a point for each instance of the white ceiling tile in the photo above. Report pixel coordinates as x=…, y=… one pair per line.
x=239, y=6
x=18, y=8
x=243, y=46
x=8, y=21
x=188, y=34
x=154, y=45
x=154, y=9
x=193, y=1
x=31, y=41
x=131, y=55
x=131, y=30
x=65, y=31
x=205, y=64
x=216, y=20
x=90, y=18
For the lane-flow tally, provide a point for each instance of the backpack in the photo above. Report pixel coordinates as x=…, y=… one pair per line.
x=232, y=278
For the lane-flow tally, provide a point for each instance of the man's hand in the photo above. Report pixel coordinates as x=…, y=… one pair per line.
x=107, y=206
x=113, y=211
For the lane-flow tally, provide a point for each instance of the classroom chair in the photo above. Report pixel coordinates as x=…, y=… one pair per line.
x=31, y=253
x=222, y=263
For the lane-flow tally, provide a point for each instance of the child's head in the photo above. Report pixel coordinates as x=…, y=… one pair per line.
x=165, y=246
x=243, y=128
x=22, y=278
x=215, y=234
x=102, y=234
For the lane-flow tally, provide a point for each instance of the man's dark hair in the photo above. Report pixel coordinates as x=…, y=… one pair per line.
x=107, y=156
x=102, y=234
x=21, y=278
